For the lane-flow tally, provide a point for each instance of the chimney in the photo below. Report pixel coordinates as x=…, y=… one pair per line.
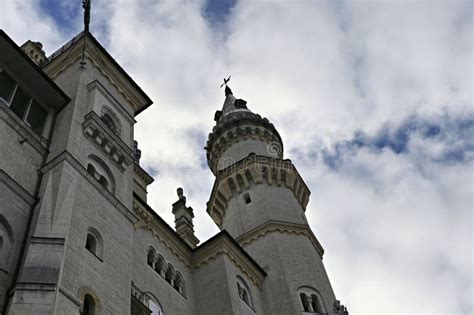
x=184, y=220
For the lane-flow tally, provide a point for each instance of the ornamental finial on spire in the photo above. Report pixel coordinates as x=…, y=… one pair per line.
x=86, y=5
x=228, y=91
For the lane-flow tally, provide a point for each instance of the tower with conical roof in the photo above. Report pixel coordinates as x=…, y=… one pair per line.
x=260, y=199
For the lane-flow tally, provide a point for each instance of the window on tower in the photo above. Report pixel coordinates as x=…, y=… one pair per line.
x=22, y=104
x=311, y=301
x=244, y=291
x=109, y=122
x=247, y=198
x=88, y=307
x=94, y=243
x=101, y=172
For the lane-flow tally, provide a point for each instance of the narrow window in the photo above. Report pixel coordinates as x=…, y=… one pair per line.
x=304, y=302
x=91, y=244
x=7, y=86
x=89, y=305
x=316, y=304
x=91, y=169
x=247, y=198
x=36, y=118
x=109, y=122
x=103, y=181
x=169, y=274
x=94, y=242
x=150, y=257
x=177, y=283
x=244, y=291
x=20, y=103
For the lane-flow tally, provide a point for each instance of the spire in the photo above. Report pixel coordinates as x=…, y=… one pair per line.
x=228, y=91
x=184, y=220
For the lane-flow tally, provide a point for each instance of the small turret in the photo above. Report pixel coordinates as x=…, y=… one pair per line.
x=184, y=220
x=35, y=51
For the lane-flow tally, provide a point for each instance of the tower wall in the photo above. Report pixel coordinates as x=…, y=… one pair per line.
x=86, y=188
x=260, y=199
x=266, y=203
x=291, y=262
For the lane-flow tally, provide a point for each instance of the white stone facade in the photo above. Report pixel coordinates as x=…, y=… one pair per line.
x=76, y=233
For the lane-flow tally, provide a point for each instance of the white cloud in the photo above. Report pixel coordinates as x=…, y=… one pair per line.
x=400, y=240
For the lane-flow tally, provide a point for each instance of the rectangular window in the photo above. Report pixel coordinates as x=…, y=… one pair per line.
x=20, y=103
x=37, y=117
x=7, y=85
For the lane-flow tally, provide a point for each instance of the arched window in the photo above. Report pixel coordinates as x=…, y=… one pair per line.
x=169, y=275
x=88, y=305
x=244, y=291
x=154, y=305
x=90, y=302
x=94, y=243
x=304, y=302
x=6, y=236
x=151, y=257
x=179, y=283
x=101, y=172
x=91, y=243
x=159, y=265
x=316, y=303
x=111, y=120
x=311, y=301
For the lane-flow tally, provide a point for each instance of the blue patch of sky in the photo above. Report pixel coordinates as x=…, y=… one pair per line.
x=152, y=171
x=216, y=11
x=454, y=133
x=63, y=13
x=198, y=138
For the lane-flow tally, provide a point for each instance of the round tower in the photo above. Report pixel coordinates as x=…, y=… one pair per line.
x=260, y=199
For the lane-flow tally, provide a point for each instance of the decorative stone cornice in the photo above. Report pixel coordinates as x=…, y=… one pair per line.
x=142, y=174
x=240, y=126
x=280, y=227
x=222, y=244
x=95, y=129
x=254, y=170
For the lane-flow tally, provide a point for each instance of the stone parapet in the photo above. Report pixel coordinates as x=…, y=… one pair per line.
x=240, y=126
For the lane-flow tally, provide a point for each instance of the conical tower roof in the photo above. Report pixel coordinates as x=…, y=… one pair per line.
x=236, y=123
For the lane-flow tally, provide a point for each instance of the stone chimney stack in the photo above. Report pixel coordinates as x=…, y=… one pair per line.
x=184, y=220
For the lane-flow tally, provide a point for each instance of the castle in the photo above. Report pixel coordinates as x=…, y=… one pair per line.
x=76, y=233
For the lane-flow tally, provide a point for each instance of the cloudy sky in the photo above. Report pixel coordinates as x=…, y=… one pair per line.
x=373, y=100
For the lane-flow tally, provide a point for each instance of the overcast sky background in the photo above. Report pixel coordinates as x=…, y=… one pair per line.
x=373, y=100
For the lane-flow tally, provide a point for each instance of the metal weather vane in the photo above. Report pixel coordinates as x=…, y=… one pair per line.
x=225, y=81
x=86, y=5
